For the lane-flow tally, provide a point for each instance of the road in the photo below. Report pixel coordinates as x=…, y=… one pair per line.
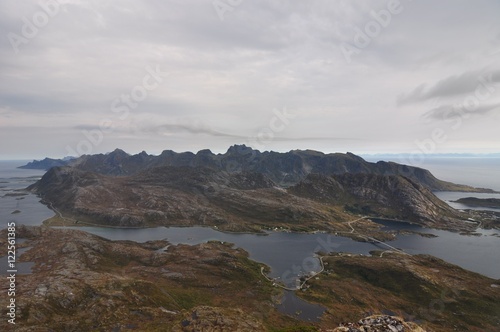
x=299, y=286
x=353, y=231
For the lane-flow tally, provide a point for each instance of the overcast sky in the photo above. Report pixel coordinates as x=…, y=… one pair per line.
x=362, y=76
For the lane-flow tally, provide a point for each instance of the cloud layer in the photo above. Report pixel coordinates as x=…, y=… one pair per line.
x=73, y=68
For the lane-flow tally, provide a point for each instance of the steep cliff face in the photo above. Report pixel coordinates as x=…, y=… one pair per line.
x=383, y=195
x=61, y=186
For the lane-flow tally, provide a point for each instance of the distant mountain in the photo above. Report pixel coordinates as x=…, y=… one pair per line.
x=410, y=156
x=247, y=197
x=46, y=163
x=190, y=196
x=285, y=169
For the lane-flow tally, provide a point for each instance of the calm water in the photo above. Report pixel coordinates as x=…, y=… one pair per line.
x=288, y=254
x=476, y=172
x=451, y=196
x=16, y=204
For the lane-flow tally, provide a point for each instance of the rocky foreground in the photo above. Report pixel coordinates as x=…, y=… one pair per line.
x=81, y=282
x=379, y=323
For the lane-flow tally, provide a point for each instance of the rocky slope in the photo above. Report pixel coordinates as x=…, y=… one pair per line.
x=81, y=282
x=438, y=295
x=239, y=200
x=390, y=196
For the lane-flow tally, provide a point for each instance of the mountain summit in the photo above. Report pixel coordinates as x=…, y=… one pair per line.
x=244, y=189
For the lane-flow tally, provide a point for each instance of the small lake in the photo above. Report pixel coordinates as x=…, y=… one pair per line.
x=20, y=267
x=288, y=254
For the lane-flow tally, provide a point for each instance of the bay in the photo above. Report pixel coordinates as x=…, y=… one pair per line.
x=288, y=254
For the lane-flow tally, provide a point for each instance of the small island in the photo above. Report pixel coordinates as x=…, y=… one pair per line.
x=480, y=202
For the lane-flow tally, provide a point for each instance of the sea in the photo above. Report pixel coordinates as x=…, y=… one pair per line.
x=291, y=254
x=481, y=172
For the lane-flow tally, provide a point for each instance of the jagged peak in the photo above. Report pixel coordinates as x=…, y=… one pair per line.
x=240, y=149
x=118, y=151
x=285, y=168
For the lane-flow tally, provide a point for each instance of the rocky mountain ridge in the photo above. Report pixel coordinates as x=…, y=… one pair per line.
x=285, y=169
x=239, y=201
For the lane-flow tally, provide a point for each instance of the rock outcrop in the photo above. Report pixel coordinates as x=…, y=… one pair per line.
x=379, y=323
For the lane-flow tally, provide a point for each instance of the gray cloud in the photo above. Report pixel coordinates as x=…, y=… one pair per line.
x=231, y=74
x=166, y=129
x=455, y=85
x=449, y=112
x=202, y=129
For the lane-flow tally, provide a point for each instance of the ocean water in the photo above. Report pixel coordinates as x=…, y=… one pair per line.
x=472, y=171
x=476, y=172
x=9, y=170
x=451, y=196
x=15, y=203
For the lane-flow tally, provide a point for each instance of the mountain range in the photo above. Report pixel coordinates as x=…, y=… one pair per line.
x=244, y=190
x=284, y=169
